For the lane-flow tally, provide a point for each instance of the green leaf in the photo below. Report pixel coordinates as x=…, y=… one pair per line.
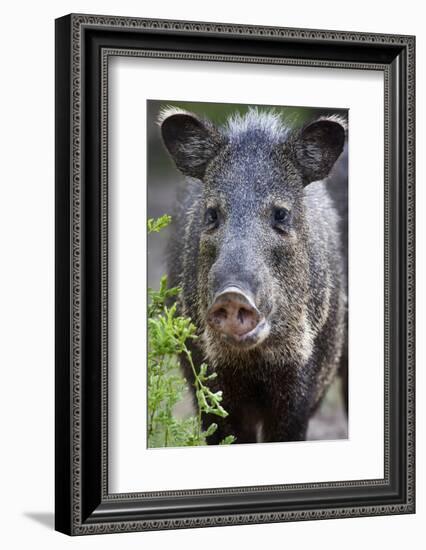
x=210, y=430
x=156, y=225
x=228, y=440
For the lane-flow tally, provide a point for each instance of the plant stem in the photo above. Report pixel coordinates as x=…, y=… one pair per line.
x=199, y=386
x=151, y=419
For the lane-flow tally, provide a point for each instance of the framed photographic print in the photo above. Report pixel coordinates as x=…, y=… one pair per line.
x=234, y=274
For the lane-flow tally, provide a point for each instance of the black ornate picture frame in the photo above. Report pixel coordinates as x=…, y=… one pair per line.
x=84, y=43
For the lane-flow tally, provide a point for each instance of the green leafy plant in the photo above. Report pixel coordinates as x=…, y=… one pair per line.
x=168, y=336
x=156, y=225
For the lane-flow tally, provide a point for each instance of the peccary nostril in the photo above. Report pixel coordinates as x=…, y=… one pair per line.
x=233, y=314
x=219, y=316
x=245, y=316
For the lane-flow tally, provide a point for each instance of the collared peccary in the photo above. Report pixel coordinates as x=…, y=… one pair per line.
x=257, y=251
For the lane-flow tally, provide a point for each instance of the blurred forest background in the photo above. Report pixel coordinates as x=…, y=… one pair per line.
x=163, y=178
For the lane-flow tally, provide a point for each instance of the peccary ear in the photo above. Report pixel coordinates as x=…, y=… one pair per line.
x=317, y=147
x=191, y=141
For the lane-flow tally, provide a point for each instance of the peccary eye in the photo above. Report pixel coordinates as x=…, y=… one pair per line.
x=211, y=217
x=280, y=215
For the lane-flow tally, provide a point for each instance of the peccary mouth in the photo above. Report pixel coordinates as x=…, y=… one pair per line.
x=234, y=317
x=252, y=338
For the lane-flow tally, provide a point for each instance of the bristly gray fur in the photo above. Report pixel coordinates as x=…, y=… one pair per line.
x=297, y=276
x=261, y=124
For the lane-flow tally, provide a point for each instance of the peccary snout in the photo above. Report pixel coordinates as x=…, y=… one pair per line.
x=234, y=315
